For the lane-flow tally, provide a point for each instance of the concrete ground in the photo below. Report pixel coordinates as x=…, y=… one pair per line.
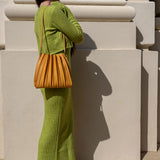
x=147, y=155
x=151, y=155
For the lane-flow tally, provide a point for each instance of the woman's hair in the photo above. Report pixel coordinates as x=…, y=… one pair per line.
x=38, y=2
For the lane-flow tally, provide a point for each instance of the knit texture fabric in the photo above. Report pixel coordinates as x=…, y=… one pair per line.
x=56, y=141
x=58, y=19
x=56, y=138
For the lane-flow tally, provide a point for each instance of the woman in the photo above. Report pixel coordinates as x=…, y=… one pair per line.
x=56, y=139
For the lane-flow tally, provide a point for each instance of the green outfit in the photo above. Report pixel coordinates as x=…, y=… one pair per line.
x=56, y=139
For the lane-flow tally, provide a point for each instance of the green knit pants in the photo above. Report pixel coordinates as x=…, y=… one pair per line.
x=56, y=139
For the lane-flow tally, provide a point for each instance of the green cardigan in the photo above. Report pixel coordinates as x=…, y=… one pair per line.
x=58, y=19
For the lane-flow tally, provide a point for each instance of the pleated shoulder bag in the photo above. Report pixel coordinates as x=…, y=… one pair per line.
x=52, y=70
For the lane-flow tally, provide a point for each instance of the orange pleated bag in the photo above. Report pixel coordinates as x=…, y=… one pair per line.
x=52, y=70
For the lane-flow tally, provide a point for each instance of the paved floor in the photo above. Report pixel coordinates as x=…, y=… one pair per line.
x=151, y=155
x=147, y=155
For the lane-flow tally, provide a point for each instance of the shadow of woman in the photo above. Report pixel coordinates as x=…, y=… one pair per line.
x=89, y=85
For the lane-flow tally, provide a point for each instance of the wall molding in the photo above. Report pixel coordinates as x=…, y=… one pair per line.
x=80, y=2
x=22, y=12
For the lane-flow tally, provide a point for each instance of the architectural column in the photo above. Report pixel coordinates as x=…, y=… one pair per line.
x=145, y=22
x=156, y=47
x=106, y=72
x=3, y=4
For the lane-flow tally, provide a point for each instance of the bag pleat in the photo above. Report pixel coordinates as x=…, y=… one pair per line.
x=47, y=74
x=66, y=61
x=50, y=72
x=42, y=71
x=55, y=74
x=37, y=69
x=66, y=71
x=60, y=72
x=63, y=68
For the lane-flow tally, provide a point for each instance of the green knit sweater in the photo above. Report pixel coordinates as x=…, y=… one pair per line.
x=58, y=19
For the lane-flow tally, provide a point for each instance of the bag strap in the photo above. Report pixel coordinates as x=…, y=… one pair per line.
x=44, y=32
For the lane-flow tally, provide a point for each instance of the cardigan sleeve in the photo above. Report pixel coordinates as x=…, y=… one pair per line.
x=68, y=25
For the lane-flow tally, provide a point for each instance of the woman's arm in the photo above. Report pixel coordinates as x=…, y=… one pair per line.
x=68, y=25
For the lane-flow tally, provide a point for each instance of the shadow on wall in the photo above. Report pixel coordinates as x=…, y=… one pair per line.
x=139, y=38
x=156, y=47
x=144, y=110
x=89, y=85
x=144, y=96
